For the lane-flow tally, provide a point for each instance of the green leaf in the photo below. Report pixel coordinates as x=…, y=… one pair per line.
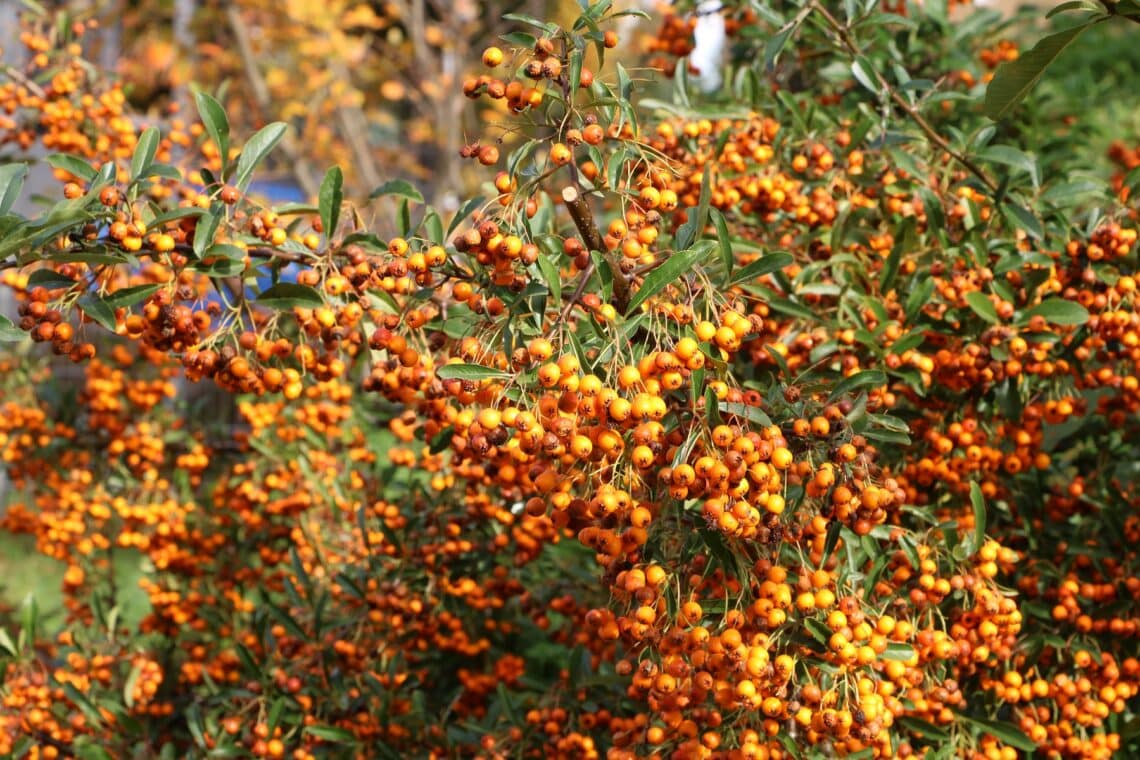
x=73, y=165
x=433, y=227
x=206, y=228
x=469, y=372
x=1057, y=311
x=519, y=39
x=982, y=306
x=7, y=644
x=1005, y=733
x=724, y=239
x=751, y=413
x=978, y=502
x=11, y=183
x=331, y=734
x=97, y=309
x=400, y=188
x=330, y=198
x=551, y=276
x=9, y=333
x=1011, y=156
x=80, y=700
x=688, y=232
x=130, y=296
x=1024, y=219
x=287, y=295
x=255, y=151
x=145, y=150
x=766, y=264
x=775, y=44
x=864, y=74
x=831, y=540
x=214, y=119
x=922, y=728
x=868, y=378
x=1014, y=79
x=669, y=271
x=898, y=651
x=50, y=279
x=129, y=686
x=904, y=241
x=464, y=211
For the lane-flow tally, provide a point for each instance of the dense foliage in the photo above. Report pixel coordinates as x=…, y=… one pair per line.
x=793, y=419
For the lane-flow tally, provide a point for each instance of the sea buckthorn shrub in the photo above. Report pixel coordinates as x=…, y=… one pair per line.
x=795, y=420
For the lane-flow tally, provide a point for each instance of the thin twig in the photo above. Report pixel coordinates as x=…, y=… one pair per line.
x=301, y=168
x=21, y=78
x=852, y=47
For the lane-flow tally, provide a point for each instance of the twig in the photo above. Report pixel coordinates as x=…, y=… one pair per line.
x=852, y=47
x=588, y=228
x=21, y=78
x=301, y=169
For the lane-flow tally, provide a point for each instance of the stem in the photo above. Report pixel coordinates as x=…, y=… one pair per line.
x=588, y=228
x=302, y=170
x=21, y=78
x=852, y=47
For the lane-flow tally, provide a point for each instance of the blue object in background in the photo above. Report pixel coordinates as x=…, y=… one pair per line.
x=276, y=191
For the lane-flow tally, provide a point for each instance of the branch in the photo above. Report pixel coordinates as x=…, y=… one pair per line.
x=852, y=47
x=21, y=78
x=588, y=228
x=301, y=168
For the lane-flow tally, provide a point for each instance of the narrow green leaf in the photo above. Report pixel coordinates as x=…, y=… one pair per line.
x=286, y=295
x=1014, y=79
x=1058, y=311
x=868, y=378
x=1005, y=733
x=77, y=166
x=978, y=502
x=402, y=189
x=331, y=734
x=669, y=272
x=255, y=151
x=982, y=306
x=469, y=372
x=751, y=413
x=11, y=183
x=217, y=126
x=97, y=309
x=864, y=74
x=766, y=264
x=898, y=651
x=145, y=151
x=130, y=296
x=330, y=198
x=724, y=239
x=9, y=333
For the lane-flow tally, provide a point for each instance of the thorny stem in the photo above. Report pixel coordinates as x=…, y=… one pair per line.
x=852, y=47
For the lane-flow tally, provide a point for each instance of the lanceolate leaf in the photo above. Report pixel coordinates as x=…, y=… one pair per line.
x=468, y=372
x=255, y=151
x=11, y=182
x=286, y=295
x=214, y=120
x=331, y=196
x=673, y=267
x=1015, y=79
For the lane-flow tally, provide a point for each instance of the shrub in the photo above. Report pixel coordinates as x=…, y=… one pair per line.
x=796, y=419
